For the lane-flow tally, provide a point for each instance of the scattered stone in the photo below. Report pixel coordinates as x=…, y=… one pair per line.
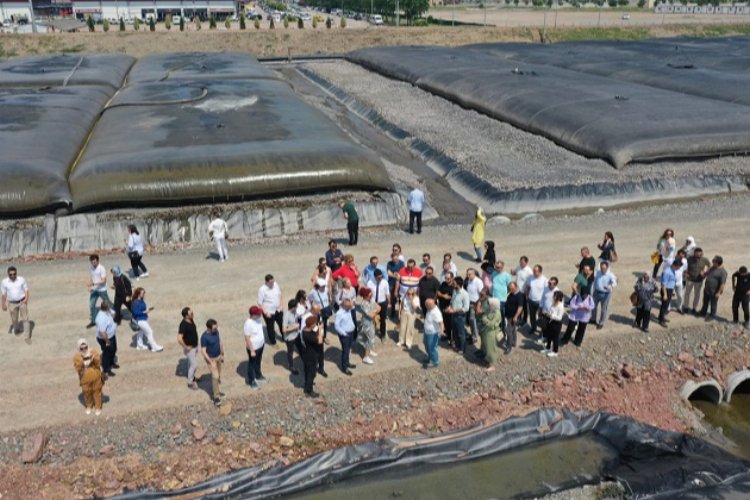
x=532, y=217
x=111, y=485
x=199, y=434
x=225, y=409
x=542, y=429
x=236, y=424
x=219, y=439
x=286, y=441
x=34, y=448
x=685, y=357
x=275, y=431
x=107, y=450
x=356, y=403
x=709, y=353
x=195, y=422
x=255, y=447
x=627, y=371
x=177, y=428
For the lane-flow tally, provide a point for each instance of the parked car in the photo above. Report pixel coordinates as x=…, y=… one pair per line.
x=376, y=19
x=626, y=17
x=176, y=20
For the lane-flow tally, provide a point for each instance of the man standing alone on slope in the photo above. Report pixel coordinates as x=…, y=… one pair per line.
x=352, y=221
x=415, y=200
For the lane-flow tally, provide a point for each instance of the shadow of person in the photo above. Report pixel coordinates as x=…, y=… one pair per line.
x=205, y=384
x=242, y=368
x=466, y=256
x=212, y=256
x=417, y=354
x=621, y=319
x=181, y=369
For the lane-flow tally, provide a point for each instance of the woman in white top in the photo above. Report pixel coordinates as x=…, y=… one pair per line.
x=408, y=315
x=552, y=330
x=290, y=333
x=135, y=253
x=254, y=343
x=347, y=291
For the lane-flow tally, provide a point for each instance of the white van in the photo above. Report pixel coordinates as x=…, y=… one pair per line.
x=376, y=19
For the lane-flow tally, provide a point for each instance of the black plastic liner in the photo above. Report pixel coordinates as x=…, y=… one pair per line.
x=650, y=461
x=64, y=70
x=215, y=140
x=198, y=66
x=41, y=132
x=592, y=115
x=685, y=66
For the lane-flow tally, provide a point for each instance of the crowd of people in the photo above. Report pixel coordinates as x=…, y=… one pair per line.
x=488, y=307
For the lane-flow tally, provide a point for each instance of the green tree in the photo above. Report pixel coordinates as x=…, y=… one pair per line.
x=242, y=22
x=328, y=22
x=286, y=22
x=90, y=23
x=105, y=25
x=227, y=23
x=136, y=24
x=122, y=24
x=314, y=23
x=300, y=23
x=198, y=24
x=256, y=23
x=212, y=23
x=151, y=24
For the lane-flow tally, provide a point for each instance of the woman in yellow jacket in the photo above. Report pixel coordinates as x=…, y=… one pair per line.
x=87, y=365
x=477, y=232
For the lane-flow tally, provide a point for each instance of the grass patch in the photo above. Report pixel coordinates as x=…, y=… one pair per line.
x=79, y=47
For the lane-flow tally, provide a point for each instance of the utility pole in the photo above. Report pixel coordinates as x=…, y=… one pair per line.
x=31, y=14
x=453, y=15
x=398, y=15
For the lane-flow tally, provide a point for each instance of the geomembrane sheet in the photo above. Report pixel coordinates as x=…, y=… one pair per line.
x=213, y=140
x=598, y=116
x=198, y=66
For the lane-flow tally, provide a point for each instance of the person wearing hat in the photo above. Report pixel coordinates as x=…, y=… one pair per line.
x=86, y=364
x=123, y=292
x=254, y=342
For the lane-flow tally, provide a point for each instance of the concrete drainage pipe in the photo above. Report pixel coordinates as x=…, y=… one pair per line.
x=735, y=381
x=705, y=390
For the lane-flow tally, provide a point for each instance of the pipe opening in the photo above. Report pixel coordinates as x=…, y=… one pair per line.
x=706, y=392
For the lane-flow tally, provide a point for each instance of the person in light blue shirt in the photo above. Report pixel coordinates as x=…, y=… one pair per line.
x=345, y=328
x=106, y=330
x=604, y=283
x=368, y=273
x=668, y=284
x=415, y=200
x=500, y=281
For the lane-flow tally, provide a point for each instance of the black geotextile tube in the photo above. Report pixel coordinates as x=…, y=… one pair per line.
x=199, y=66
x=215, y=140
x=681, y=66
x=65, y=70
x=592, y=115
x=41, y=133
x=649, y=461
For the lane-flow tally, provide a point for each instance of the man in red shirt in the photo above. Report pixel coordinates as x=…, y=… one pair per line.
x=408, y=277
x=348, y=270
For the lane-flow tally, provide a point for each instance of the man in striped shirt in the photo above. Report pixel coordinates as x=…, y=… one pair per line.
x=408, y=277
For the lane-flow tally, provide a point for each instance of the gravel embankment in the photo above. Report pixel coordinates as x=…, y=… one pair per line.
x=503, y=155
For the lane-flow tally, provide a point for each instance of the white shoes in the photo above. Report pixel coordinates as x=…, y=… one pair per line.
x=144, y=275
x=373, y=353
x=88, y=411
x=141, y=348
x=546, y=351
x=552, y=354
x=98, y=412
x=367, y=360
x=157, y=348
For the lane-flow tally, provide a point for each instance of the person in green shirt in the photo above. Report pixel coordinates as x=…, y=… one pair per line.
x=352, y=221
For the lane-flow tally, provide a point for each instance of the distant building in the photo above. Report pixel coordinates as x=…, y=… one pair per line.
x=116, y=9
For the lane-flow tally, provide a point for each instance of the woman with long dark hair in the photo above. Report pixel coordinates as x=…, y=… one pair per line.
x=140, y=314
x=607, y=246
x=135, y=252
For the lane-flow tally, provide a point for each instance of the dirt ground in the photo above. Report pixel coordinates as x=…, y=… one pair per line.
x=282, y=42
x=45, y=389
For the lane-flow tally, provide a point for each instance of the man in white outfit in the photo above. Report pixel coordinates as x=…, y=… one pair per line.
x=15, y=298
x=218, y=230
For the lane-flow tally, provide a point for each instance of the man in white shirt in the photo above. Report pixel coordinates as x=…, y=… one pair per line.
x=474, y=285
x=15, y=292
x=522, y=273
x=679, y=273
x=534, y=292
x=448, y=260
x=97, y=288
x=381, y=293
x=269, y=299
x=545, y=306
x=217, y=229
x=604, y=283
x=433, y=329
x=415, y=200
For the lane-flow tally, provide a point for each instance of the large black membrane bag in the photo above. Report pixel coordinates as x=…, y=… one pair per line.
x=710, y=71
x=214, y=141
x=595, y=116
x=65, y=70
x=198, y=66
x=41, y=132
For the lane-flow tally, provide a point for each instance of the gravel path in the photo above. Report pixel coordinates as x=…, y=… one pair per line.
x=503, y=155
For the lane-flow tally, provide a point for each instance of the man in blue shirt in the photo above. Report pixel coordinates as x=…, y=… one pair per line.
x=604, y=284
x=668, y=284
x=368, y=273
x=212, y=350
x=344, y=326
x=334, y=256
x=106, y=330
x=415, y=200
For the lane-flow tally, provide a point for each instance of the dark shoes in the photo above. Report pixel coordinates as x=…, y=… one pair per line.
x=217, y=402
x=348, y=372
x=91, y=325
x=312, y=394
x=193, y=386
x=294, y=371
x=323, y=373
